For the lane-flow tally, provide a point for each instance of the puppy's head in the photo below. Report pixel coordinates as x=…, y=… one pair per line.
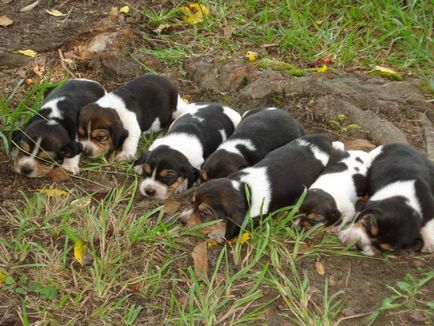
x=220, y=164
x=100, y=130
x=318, y=207
x=388, y=224
x=219, y=199
x=40, y=147
x=165, y=171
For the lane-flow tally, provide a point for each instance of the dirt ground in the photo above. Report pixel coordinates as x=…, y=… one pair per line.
x=385, y=110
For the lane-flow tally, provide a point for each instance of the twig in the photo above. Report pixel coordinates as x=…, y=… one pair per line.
x=62, y=60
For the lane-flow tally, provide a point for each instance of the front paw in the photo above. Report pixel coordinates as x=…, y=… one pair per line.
x=74, y=169
x=428, y=248
x=125, y=156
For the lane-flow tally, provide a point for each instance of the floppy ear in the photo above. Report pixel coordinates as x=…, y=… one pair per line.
x=72, y=149
x=191, y=173
x=16, y=136
x=333, y=217
x=370, y=223
x=118, y=137
x=236, y=211
x=138, y=164
x=360, y=204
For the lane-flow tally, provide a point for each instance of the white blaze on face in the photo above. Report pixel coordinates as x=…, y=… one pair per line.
x=28, y=161
x=88, y=145
x=149, y=187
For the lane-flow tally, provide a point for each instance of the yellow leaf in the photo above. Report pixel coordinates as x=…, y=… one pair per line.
x=212, y=243
x=386, y=72
x=194, y=13
x=79, y=249
x=124, y=10
x=29, y=53
x=323, y=68
x=384, y=69
x=319, y=268
x=81, y=202
x=54, y=12
x=2, y=277
x=245, y=237
x=30, y=6
x=53, y=192
x=251, y=56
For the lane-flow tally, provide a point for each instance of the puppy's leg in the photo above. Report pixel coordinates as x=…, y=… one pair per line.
x=71, y=164
x=427, y=233
x=129, y=147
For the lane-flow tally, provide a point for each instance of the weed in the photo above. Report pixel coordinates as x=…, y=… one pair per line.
x=339, y=122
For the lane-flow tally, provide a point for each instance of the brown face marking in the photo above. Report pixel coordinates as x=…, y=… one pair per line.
x=203, y=175
x=386, y=246
x=25, y=147
x=147, y=168
x=166, y=173
x=174, y=186
x=306, y=221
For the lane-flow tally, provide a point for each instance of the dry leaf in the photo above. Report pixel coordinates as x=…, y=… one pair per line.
x=79, y=249
x=319, y=268
x=5, y=21
x=200, y=259
x=2, y=277
x=171, y=206
x=81, y=202
x=29, y=53
x=53, y=192
x=327, y=60
x=212, y=243
x=28, y=82
x=58, y=174
x=323, y=68
x=251, y=56
x=194, y=13
x=161, y=28
x=38, y=71
x=124, y=10
x=386, y=72
x=134, y=288
x=30, y=6
x=359, y=144
x=55, y=13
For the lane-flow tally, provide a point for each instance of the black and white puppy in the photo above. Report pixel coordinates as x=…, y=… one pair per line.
x=173, y=161
x=276, y=181
x=400, y=209
x=50, y=136
x=332, y=197
x=259, y=132
x=118, y=119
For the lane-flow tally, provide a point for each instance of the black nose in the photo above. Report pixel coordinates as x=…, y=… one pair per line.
x=150, y=191
x=26, y=170
x=87, y=152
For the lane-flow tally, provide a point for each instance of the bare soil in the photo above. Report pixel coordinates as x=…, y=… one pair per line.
x=314, y=100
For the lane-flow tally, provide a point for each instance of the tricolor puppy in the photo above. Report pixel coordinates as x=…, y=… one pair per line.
x=118, y=119
x=259, y=132
x=400, y=209
x=276, y=181
x=173, y=161
x=50, y=137
x=332, y=197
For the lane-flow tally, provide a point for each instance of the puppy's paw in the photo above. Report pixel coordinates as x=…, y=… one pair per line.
x=428, y=248
x=217, y=235
x=125, y=156
x=338, y=145
x=138, y=169
x=74, y=169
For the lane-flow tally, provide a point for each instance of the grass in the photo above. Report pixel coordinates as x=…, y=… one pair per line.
x=136, y=266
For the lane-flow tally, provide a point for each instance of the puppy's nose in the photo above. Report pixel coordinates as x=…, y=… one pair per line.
x=87, y=152
x=26, y=170
x=150, y=191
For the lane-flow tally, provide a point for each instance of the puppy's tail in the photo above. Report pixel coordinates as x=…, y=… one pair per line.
x=181, y=108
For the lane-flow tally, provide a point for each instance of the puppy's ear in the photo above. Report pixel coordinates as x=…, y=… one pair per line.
x=191, y=173
x=72, y=149
x=236, y=212
x=16, y=136
x=370, y=223
x=360, y=204
x=119, y=134
x=333, y=217
x=138, y=164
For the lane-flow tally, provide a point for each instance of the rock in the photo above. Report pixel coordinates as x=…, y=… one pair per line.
x=114, y=42
x=11, y=60
x=428, y=129
x=116, y=65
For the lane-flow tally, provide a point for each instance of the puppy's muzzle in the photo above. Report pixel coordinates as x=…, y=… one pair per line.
x=26, y=170
x=149, y=191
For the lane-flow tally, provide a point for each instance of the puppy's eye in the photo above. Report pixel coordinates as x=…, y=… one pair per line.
x=46, y=163
x=100, y=138
x=204, y=215
x=168, y=179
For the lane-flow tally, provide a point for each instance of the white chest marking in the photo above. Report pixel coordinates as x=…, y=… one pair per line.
x=320, y=155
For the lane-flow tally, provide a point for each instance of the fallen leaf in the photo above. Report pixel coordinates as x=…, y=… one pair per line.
x=29, y=53
x=79, y=249
x=124, y=10
x=55, y=13
x=171, y=206
x=29, y=81
x=58, y=174
x=161, y=28
x=200, y=260
x=38, y=71
x=319, y=267
x=386, y=72
x=194, y=13
x=327, y=60
x=323, y=68
x=53, y=192
x=81, y=202
x=5, y=21
x=30, y=6
x=251, y=56
x=212, y=243
x=134, y=288
x=2, y=277
x=359, y=144
x=114, y=12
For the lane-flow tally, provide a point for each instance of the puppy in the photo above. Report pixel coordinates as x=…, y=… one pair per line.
x=51, y=136
x=118, y=119
x=400, y=209
x=274, y=182
x=333, y=195
x=259, y=132
x=173, y=161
